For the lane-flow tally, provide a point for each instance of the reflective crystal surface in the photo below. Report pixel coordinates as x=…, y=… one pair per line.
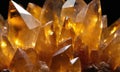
x=23, y=27
x=61, y=60
x=76, y=65
x=61, y=36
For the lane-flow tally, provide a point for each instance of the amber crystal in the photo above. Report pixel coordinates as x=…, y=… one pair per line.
x=34, y=9
x=61, y=60
x=20, y=62
x=6, y=49
x=61, y=36
x=23, y=27
x=71, y=8
x=91, y=21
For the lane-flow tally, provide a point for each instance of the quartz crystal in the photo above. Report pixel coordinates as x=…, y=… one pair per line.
x=91, y=24
x=6, y=49
x=111, y=41
x=61, y=60
x=60, y=36
x=71, y=8
x=23, y=27
x=21, y=62
x=34, y=9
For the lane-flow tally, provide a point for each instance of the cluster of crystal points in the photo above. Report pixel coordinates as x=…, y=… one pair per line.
x=61, y=36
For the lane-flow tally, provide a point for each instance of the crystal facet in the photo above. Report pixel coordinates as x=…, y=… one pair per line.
x=61, y=36
x=23, y=27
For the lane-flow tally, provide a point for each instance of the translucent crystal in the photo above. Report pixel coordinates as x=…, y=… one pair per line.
x=111, y=48
x=51, y=12
x=46, y=43
x=34, y=9
x=109, y=33
x=67, y=30
x=7, y=49
x=61, y=60
x=61, y=36
x=21, y=62
x=23, y=27
x=71, y=8
x=38, y=66
x=90, y=24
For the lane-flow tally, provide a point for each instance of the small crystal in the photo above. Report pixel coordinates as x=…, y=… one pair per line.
x=38, y=66
x=76, y=65
x=61, y=60
x=32, y=55
x=21, y=62
x=71, y=8
x=67, y=30
x=51, y=10
x=104, y=21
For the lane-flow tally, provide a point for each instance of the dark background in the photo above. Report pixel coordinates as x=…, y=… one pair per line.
x=109, y=7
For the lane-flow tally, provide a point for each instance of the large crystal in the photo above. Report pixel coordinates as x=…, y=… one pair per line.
x=109, y=33
x=111, y=46
x=7, y=49
x=90, y=18
x=23, y=27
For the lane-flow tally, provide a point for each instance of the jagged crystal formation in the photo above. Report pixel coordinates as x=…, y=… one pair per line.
x=61, y=36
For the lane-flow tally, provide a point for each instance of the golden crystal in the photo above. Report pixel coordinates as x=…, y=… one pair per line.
x=34, y=9
x=23, y=27
x=6, y=49
x=61, y=36
x=21, y=62
x=61, y=60
x=91, y=21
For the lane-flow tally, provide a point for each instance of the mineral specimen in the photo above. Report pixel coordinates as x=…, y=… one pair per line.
x=61, y=36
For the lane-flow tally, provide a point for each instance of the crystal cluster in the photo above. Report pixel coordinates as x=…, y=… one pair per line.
x=61, y=36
